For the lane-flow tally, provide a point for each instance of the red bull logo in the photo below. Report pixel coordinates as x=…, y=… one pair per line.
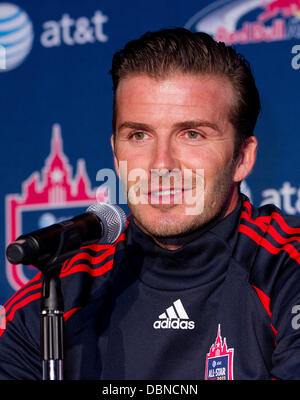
x=285, y=8
x=249, y=21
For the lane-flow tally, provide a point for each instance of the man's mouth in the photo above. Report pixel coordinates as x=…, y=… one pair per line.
x=165, y=192
x=166, y=195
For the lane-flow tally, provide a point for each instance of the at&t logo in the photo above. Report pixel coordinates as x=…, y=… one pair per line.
x=70, y=31
x=16, y=36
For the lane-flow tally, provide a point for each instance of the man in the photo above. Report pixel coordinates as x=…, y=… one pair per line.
x=202, y=285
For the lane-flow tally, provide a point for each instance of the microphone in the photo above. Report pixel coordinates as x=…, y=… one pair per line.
x=51, y=245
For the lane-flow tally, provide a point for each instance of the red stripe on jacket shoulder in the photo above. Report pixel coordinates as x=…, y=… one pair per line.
x=84, y=256
x=28, y=293
x=80, y=262
x=264, y=224
x=26, y=288
x=275, y=216
x=69, y=313
x=265, y=300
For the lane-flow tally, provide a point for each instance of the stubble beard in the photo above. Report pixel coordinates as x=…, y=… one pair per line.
x=167, y=229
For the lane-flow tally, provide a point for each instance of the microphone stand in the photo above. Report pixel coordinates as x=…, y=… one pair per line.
x=51, y=317
x=52, y=324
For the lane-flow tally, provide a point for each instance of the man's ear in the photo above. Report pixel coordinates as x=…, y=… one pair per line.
x=246, y=159
x=116, y=163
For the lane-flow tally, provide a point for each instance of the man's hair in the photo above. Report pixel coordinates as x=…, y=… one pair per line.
x=161, y=53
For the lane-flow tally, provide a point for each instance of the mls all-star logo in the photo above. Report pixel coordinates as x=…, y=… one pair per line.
x=219, y=360
x=46, y=198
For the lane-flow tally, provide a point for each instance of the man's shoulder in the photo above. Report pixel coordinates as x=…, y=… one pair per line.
x=269, y=243
x=269, y=227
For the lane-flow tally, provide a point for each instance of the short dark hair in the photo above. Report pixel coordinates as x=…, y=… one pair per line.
x=157, y=54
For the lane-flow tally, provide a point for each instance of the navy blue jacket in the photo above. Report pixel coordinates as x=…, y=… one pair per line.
x=224, y=306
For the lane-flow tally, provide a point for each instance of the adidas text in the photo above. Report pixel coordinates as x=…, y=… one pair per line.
x=174, y=324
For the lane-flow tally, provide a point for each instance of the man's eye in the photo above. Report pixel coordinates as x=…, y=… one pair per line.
x=138, y=135
x=193, y=135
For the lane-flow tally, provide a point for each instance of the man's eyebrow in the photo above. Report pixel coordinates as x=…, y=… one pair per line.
x=135, y=125
x=196, y=124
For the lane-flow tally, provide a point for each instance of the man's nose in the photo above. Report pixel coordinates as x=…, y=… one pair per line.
x=164, y=155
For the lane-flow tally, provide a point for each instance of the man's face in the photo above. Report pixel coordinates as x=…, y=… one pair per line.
x=176, y=124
